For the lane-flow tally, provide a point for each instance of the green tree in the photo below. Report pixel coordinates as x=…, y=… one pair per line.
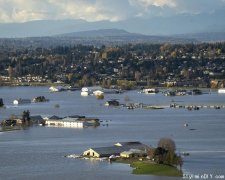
x=26, y=117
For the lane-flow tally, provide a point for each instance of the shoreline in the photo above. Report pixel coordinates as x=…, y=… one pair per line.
x=135, y=88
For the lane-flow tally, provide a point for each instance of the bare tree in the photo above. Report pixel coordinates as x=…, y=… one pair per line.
x=168, y=144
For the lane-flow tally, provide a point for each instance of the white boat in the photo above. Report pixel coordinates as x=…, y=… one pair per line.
x=221, y=90
x=21, y=101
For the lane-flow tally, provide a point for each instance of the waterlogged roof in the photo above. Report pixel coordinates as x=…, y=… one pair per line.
x=109, y=150
x=67, y=120
x=54, y=118
x=128, y=143
x=127, y=146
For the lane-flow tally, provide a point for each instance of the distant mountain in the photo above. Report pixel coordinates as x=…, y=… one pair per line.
x=101, y=33
x=119, y=36
x=179, y=24
x=107, y=37
x=113, y=34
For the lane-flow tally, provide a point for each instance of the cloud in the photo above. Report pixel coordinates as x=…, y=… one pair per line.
x=151, y=8
x=97, y=10
x=199, y=6
x=147, y=3
x=22, y=10
x=27, y=10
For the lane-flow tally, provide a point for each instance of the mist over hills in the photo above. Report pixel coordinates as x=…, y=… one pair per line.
x=182, y=28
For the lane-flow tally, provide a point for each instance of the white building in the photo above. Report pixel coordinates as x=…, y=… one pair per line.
x=66, y=122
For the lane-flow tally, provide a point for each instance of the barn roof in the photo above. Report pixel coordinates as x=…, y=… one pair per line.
x=126, y=146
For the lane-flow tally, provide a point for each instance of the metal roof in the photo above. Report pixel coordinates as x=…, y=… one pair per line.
x=111, y=150
x=118, y=149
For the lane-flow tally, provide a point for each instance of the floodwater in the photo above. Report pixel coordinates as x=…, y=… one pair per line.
x=38, y=152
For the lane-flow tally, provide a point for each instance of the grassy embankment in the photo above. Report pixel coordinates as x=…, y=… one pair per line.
x=151, y=168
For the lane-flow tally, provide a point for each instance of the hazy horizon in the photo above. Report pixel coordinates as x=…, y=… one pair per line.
x=23, y=18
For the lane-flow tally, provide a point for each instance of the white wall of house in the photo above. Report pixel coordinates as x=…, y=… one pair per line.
x=75, y=124
x=91, y=153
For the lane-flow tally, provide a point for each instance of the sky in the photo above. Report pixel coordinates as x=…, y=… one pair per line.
x=98, y=10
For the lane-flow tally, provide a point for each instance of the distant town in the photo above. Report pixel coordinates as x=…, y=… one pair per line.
x=126, y=66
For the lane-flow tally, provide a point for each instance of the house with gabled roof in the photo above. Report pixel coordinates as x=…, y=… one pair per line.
x=116, y=149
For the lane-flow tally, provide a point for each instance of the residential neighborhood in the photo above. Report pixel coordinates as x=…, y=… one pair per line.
x=125, y=66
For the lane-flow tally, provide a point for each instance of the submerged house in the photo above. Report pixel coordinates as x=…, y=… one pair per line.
x=150, y=91
x=72, y=121
x=37, y=119
x=117, y=149
x=66, y=122
x=56, y=89
x=133, y=153
x=21, y=101
x=112, y=103
x=18, y=121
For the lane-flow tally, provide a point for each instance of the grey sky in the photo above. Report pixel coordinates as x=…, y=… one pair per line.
x=96, y=10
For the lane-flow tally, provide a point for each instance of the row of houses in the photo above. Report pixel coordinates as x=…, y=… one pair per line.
x=70, y=121
x=18, y=121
